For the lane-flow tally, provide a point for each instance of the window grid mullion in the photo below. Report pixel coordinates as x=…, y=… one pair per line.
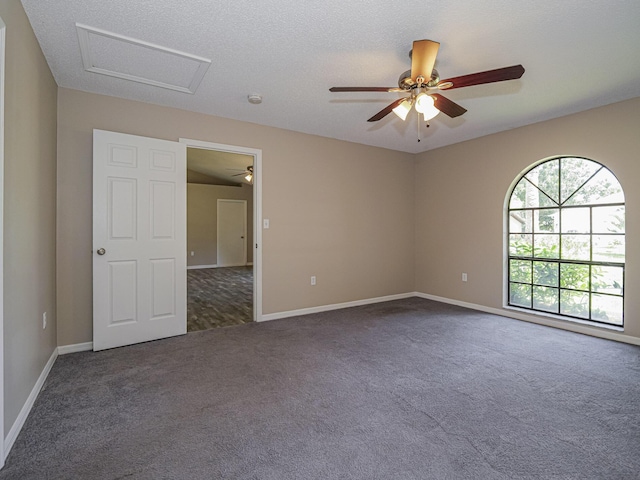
x=583, y=184
x=607, y=204
x=560, y=178
x=591, y=262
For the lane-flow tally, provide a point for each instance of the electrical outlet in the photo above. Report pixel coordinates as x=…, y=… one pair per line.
x=44, y=320
x=313, y=280
x=192, y=253
x=464, y=277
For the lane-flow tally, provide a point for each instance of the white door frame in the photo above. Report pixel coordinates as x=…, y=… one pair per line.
x=257, y=211
x=3, y=28
x=244, y=235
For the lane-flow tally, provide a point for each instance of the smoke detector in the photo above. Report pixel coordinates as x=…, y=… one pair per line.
x=255, y=98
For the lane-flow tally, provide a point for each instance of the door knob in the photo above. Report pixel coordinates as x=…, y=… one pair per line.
x=101, y=251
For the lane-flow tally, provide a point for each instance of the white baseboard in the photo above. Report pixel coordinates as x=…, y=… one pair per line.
x=198, y=267
x=594, y=331
x=76, y=347
x=601, y=332
x=335, y=306
x=26, y=409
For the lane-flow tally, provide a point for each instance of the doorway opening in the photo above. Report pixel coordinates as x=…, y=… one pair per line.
x=222, y=246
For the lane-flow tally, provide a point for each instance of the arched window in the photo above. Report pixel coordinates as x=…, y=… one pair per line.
x=567, y=241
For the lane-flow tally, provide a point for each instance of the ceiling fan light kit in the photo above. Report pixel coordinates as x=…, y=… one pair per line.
x=422, y=80
x=403, y=109
x=425, y=104
x=249, y=174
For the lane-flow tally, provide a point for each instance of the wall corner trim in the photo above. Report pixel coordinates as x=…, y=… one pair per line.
x=28, y=405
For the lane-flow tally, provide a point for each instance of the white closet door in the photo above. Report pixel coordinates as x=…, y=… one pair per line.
x=232, y=233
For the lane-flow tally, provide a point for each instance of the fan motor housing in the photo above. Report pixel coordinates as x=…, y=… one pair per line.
x=406, y=83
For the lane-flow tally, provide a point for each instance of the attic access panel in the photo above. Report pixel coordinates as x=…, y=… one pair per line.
x=119, y=56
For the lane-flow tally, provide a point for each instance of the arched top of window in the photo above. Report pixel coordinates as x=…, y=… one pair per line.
x=566, y=256
x=567, y=181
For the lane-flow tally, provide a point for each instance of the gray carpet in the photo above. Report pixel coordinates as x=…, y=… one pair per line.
x=410, y=389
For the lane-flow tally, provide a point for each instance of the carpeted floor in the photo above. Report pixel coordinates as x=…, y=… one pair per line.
x=409, y=389
x=219, y=297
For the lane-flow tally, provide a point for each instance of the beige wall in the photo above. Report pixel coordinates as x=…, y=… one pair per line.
x=202, y=219
x=461, y=191
x=338, y=210
x=29, y=211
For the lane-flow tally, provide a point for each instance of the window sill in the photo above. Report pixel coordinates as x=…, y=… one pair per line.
x=551, y=316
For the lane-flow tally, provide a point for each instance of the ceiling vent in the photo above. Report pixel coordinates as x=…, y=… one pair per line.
x=124, y=57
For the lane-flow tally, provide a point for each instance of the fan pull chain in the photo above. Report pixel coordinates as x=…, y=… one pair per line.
x=418, y=124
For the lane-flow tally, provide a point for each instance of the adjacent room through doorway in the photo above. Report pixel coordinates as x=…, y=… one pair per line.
x=220, y=237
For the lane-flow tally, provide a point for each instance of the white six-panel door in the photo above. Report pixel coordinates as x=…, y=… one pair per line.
x=139, y=239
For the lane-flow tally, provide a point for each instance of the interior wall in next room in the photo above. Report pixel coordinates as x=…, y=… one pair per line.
x=202, y=219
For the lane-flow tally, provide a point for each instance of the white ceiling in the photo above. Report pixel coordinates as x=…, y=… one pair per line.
x=578, y=54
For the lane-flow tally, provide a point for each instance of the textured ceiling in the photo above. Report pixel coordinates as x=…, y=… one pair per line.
x=578, y=54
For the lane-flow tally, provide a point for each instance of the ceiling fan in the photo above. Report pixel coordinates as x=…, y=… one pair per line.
x=422, y=80
x=247, y=173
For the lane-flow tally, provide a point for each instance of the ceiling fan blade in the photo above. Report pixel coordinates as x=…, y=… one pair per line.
x=490, y=76
x=386, y=110
x=447, y=106
x=365, y=89
x=423, y=58
x=239, y=174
